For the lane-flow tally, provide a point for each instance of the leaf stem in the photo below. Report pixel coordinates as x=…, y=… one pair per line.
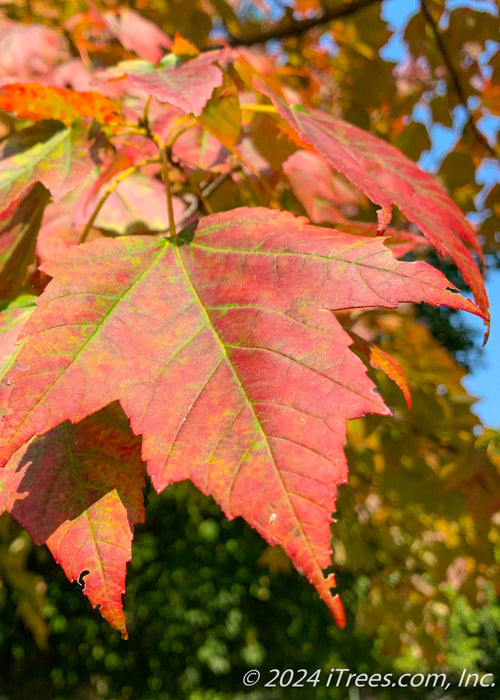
x=168, y=192
x=145, y=116
x=131, y=130
x=112, y=187
x=268, y=109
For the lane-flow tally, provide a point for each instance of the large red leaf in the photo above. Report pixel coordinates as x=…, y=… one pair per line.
x=388, y=177
x=225, y=354
x=58, y=158
x=187, y=86
x=35, y=101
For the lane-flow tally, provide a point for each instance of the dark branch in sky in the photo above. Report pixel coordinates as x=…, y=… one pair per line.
x=455, y=80
x=295, y=28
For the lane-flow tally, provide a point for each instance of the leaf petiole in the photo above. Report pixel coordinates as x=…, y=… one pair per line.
x=267, y=109
x=168, y=192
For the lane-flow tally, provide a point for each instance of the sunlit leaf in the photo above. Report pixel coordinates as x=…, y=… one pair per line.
x=34, y=101
x=232, y=321
x=187, y=86
x=58, y=158
x=387, y=177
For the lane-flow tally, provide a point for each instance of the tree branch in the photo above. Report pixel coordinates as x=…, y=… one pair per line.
x=455, y=81
x=299, y=27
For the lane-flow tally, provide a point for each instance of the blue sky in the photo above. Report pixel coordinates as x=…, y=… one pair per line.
x=484, y=382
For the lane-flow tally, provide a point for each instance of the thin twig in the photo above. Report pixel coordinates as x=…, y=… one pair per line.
x=200, y=195
x=455, y=80
x=145, y=116
x=193, y=203
x=299, y=27
x=212, y=186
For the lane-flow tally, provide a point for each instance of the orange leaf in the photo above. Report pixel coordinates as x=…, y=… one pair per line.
x=388, y=364
x=380, y=359
x=183, y=47
x=34, y=101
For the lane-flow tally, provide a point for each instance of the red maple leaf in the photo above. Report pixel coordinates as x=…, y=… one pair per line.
x=224, y=353
x=388, y=177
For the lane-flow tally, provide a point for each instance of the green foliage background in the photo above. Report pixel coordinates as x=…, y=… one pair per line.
x=203, y=608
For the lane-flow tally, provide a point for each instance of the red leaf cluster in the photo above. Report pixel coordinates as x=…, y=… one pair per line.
x=216, y=332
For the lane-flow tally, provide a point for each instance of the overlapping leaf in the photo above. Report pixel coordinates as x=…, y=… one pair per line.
x=325, y=197
x=29, y=51
x=137, y=203
x=19, y=226
x=187, y=86
x=77, y=489
x=388, y=177
x=222, y=116
x=35, y=101
x=58, y=158
x=224, y=353
x=59, y=230
x=197, y=148
x=12, y=318
x=380, y=359
x=400, y=242
x=137, y=33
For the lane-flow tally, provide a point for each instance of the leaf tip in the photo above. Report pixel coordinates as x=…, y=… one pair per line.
x=487, y=331
x=333, y=601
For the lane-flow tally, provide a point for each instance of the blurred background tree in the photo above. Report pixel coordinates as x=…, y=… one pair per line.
x=416, y=542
